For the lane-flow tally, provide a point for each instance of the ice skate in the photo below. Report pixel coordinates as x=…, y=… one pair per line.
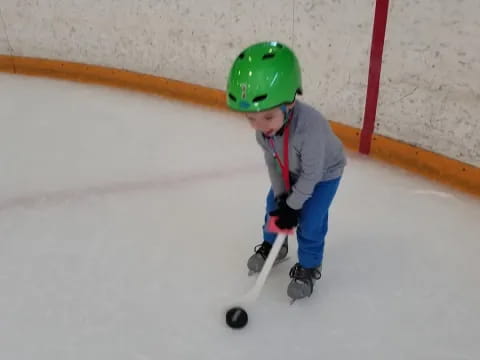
x=256, y=261
x=303, y=281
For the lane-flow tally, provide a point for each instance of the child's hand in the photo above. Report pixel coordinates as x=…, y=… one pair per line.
x=287, y=217
x=281, y=200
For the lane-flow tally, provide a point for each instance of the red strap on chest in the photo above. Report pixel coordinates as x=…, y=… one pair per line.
x=285, y=166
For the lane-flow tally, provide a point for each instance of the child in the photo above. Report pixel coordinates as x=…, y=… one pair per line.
x=263, y=83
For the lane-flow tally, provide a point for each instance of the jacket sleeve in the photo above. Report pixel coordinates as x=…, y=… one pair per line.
x=312, y=160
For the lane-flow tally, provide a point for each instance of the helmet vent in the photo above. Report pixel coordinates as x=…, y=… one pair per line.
x=268, y=56
x=259, y=98
x=241, y=56
x=232, y=97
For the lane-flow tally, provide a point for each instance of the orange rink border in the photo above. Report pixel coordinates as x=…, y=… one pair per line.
x=457, y=174
x=437, y=167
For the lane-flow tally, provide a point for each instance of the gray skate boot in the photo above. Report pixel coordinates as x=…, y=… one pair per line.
x=256, y=261
x=302, y=282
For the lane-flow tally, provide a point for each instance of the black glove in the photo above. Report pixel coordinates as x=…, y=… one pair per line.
x=281, y=200
x=287, y=217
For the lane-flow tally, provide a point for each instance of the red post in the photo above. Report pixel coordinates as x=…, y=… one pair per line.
x=376, y=53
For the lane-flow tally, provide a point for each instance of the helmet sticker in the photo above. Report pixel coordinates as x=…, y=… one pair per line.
x=244, y=90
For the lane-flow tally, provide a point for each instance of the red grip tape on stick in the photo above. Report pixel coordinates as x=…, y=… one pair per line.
x=272, y=227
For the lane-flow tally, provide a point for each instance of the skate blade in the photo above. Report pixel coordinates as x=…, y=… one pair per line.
x=293, y=300
x=252, y=273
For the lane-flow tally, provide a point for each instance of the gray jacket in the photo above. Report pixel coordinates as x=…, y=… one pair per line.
x=315, y=155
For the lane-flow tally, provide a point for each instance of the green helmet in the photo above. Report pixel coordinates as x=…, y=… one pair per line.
x=265, y=75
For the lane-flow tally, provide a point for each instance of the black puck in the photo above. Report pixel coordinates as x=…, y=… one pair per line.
x=236, y=318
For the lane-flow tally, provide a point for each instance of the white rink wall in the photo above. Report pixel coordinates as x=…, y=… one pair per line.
x=195, y=41
x=4, y=46
x=430, y=88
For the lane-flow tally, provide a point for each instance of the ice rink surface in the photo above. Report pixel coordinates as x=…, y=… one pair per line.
x=126, y=221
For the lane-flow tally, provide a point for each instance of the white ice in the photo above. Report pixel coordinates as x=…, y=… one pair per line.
x=126, y=221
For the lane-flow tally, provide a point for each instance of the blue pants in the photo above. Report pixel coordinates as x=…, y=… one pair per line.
x=313, y=223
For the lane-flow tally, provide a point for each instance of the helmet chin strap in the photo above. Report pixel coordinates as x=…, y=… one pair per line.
x=283, y=107
x=286, y=113
x=286, y=117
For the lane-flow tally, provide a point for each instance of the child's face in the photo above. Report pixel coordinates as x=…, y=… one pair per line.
x=268, y=122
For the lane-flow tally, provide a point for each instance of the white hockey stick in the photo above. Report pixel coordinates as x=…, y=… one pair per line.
x=254, y=292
